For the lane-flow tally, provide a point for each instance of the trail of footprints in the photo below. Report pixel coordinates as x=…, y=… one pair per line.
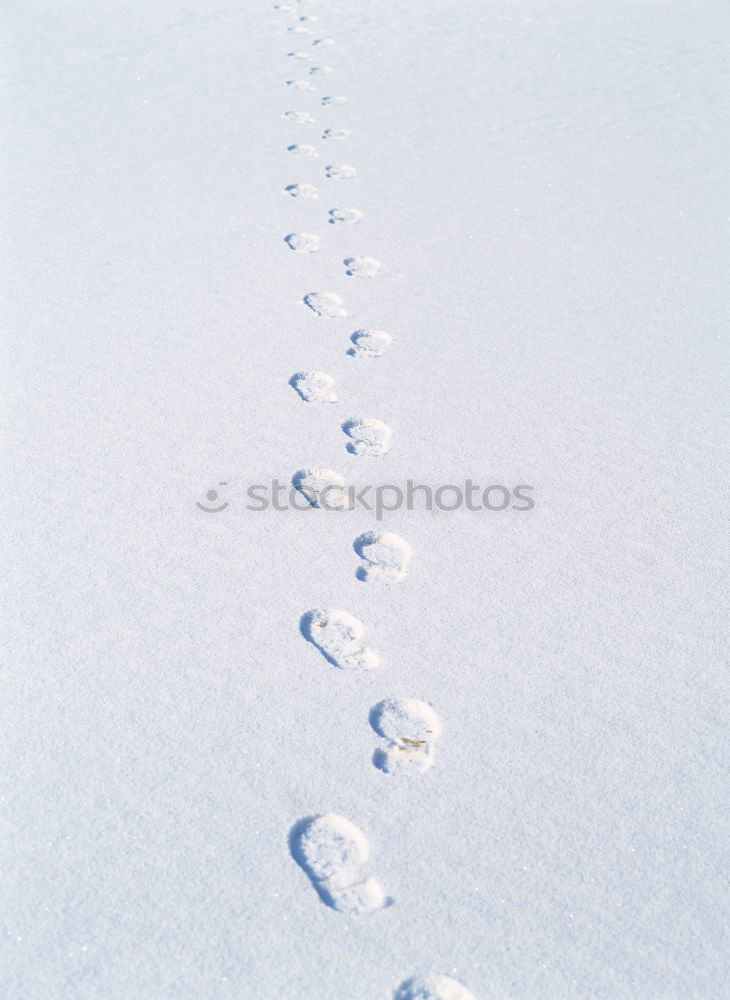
x=331, y=849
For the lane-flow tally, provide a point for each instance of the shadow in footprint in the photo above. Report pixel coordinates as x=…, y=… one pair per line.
x=296, y=836
x=306, y=627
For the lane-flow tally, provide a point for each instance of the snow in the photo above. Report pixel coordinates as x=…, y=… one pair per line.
x=544, y=183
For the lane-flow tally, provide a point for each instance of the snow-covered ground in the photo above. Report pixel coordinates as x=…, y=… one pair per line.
x=543, y=184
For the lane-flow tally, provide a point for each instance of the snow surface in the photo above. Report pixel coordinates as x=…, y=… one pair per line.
x=544, y=183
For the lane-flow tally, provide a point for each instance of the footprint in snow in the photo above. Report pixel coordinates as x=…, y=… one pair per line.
x=314, y=387
x=302, y=242
x=305, y=56
x=333, y=852
x=307, y=192
x=340, y=172
x=336, y=133
x=299, y=29
x=326, y=43
x=433, y=987
x=320, y=70
x=326, y=304
x=311, y=18
x=300, y=117
x=367, y=436
x=369, y=343
x=411, y=730
x=300, y=84
x=323, y=488
x=362, y=267
x=348, y=216
x=387, y=556
x=334, y=99
x=297, y=149
x=338, y=636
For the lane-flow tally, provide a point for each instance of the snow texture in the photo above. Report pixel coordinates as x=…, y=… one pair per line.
x=545, y=182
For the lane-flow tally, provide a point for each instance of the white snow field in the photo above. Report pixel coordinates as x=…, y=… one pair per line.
x=516, y=789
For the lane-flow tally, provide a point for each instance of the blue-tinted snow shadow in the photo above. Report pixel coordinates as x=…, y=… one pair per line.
x=295, y=849
x=305, y=627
